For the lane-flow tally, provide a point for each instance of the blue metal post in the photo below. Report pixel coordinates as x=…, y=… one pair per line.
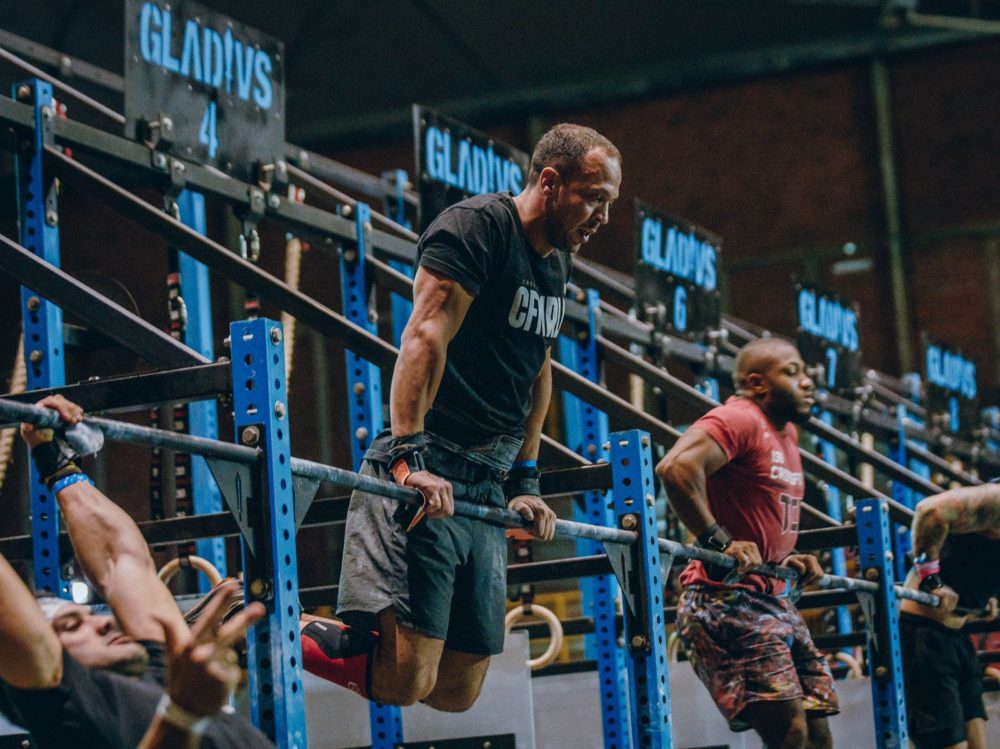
x=202, y=416
x=395, y=208
x=645, y=631
x=882, y=622
x=38, y=221
x=586, y=432
x=271, y=564
x=833, y=508
x=364, y=396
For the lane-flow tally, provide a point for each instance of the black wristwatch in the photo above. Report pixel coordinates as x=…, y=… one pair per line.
x=931, y=583
x=715, y=538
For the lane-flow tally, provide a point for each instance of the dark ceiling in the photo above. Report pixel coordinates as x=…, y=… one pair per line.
x=353, y=68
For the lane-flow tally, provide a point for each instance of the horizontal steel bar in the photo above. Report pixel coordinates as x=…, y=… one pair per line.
x=723, y=560
x=138, y=391
x=940, y=464
x=96, y=310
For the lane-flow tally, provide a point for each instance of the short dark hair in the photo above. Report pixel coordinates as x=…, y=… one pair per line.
x=564, y=147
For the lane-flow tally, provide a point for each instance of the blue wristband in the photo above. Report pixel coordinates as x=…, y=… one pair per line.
x=525, y=464
x=75, y=478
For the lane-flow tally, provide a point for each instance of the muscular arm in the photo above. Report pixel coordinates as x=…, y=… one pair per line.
x=973, y=509
x=32, y=655
x=541, y=394
x=116, y=559
x=439, y=307
x=684, y=471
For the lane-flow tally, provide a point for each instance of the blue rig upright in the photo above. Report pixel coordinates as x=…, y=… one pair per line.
x=364, y=398
x=270, y=562
x=44, y=355
x=639, y=568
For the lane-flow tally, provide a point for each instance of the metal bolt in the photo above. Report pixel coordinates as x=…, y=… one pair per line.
x=361, y=434
x=166, y=123
x=350, y=256
x=871, y=573
x=47, y=112
x=276, y=335
x=622, y=443
x=36, y=356
x=34, y=303
x=345, y=211
x=250, y=436
x=373, y=316
x=274, y=201
x=279, y=409
x=638, y=641
x=23, y=93
x=629, y=522
x=368, y=226
x=650, y=500
x=881, y=672
x=52, y=218
x=606, y=446
x=645, y=441
x=159, y=160
x=592, y=449
x=258, y=588
x=359, y=388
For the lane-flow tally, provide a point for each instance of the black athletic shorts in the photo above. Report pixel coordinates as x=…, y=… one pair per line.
x=446, y=578
x=944, y=682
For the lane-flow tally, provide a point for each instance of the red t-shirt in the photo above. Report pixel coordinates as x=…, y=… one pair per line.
x=757, y=495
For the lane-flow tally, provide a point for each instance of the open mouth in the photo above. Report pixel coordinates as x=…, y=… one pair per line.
x=119, y=638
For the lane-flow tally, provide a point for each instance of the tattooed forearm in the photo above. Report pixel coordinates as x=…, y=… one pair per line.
x=967, y=510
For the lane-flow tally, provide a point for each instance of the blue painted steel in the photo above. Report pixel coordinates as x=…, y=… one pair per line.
x=645, y=631
x=38, y=220
x=875, y=549
x=364, y=396
x=271, y=570
x=586, y=433
x=395, y=208
x=203, y=419
x=833, y=509
x=898, y=453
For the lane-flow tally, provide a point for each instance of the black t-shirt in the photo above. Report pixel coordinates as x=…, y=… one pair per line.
x=518, y=309
x=102, y=710
x=970, y=565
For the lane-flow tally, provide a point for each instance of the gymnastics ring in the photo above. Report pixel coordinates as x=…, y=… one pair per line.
x=852, y=663
x=673, y=647
x=555, y=632
x=201, y=564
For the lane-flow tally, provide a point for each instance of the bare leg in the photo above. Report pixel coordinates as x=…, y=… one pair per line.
x=405, y=667
x=782, y=725
x=975, y=732
x=819, y=732
x=459, y=681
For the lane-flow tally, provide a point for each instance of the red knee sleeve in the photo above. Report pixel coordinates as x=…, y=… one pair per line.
x=352, y=672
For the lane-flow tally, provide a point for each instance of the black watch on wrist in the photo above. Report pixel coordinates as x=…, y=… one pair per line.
x=931, y=583
x=715, y=538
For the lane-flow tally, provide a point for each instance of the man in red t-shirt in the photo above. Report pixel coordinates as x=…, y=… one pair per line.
x=735, y=480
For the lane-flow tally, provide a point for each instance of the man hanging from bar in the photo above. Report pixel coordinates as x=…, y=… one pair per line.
x=735, y=480
x=956, y=545
x=77, y=678
x=422, y=590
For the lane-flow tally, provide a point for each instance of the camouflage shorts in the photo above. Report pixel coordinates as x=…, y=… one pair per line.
x=751, y=647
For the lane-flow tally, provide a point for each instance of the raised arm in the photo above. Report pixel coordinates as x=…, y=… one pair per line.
x=684, y=472
x=973, y=509
x=31, y=654
x=107, y=542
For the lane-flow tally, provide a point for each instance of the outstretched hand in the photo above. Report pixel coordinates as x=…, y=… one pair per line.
x=202, y=666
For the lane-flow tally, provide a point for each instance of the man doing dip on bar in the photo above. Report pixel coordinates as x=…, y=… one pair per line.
x=735, y=480
x=423, y=591
x=956, y=545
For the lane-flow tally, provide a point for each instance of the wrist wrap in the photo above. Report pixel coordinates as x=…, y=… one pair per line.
x=177, y=716
x=715, y=538
x=523, y=478
x=55, y=460
x=406, y=456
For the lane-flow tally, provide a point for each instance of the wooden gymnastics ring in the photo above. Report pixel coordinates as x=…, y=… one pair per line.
x=555, y=632
x=201, y=564
x=853, y=664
